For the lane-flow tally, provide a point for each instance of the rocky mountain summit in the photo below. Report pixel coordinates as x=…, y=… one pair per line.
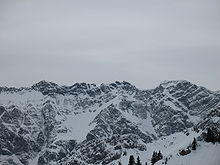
x=89, y=124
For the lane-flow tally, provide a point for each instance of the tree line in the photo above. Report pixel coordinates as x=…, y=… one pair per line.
x=212, y=135
x=155, y=157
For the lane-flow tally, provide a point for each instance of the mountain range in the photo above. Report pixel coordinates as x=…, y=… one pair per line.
x=86, y=124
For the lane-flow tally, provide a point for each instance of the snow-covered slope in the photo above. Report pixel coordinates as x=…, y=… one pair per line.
x=89, y=124
x=206, y=153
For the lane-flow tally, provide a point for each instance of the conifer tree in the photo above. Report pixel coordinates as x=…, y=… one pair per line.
x=131, y=160
x=154, y=158
x=159, y=156
x=194, y=144
x=218, y=137
x=210, y=136
x=138, y=161
x=166, y=160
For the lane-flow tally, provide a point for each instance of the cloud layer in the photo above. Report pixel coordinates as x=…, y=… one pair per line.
x=144, y=41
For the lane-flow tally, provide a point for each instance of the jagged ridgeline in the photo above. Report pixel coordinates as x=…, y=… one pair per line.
x=88, y=124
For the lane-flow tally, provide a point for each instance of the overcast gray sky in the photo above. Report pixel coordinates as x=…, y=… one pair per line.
x=94, y=41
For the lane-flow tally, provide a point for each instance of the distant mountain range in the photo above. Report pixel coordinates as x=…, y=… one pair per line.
x=87, y=124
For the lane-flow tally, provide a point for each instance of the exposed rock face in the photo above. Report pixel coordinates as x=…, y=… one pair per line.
x=89, y=124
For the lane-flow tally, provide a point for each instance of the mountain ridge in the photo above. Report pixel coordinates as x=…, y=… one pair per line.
x=46, y=83
x=89, y=124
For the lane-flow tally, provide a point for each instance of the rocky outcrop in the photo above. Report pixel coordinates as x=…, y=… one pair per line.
x=89, y=124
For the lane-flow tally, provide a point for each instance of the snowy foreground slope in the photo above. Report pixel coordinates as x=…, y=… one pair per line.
x=206, y=153
x=89, y=124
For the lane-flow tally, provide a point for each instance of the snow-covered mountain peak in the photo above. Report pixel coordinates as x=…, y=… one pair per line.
x=175, y=83
x=44, y=84
x=90, y=124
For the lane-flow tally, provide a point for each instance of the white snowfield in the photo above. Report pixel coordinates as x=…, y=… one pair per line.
x=205, y=154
